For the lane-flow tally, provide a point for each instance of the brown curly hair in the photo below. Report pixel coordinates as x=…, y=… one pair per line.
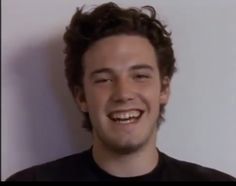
x=106, y=20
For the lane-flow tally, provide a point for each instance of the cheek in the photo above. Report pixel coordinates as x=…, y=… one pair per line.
x=96, y=98
x=152, y=96
x=152, y=93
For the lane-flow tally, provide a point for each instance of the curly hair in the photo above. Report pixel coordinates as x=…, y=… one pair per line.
x=106, y=20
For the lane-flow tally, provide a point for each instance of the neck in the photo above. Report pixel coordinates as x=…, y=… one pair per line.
x=133, y=164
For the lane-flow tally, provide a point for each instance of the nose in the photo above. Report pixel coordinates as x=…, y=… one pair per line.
x=123, y=91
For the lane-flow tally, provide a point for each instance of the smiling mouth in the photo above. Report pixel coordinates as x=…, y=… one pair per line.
x=126, y=117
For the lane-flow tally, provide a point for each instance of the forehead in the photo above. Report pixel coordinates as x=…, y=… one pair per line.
x=119, y=52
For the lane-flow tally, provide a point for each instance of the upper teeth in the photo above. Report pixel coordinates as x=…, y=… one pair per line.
x=125, y=115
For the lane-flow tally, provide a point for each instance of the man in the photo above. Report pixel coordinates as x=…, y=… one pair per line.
x=119, y=64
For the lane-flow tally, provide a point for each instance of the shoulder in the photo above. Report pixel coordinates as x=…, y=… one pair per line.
x=67, y=168
x=186, y=171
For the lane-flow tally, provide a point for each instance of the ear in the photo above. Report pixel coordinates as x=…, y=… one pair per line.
x=165, y=90
x=80, y=99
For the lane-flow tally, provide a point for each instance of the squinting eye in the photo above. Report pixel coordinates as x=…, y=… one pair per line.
x=142, y=76
x=103, y=81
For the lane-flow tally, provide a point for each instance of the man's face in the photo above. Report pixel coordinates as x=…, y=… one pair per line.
x=122, y=92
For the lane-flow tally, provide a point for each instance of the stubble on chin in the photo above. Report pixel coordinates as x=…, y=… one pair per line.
x=115, y=146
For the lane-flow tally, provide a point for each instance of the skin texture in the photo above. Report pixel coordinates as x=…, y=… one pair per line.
x=121, y=74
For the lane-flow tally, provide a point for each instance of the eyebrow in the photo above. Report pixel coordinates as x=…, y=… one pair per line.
x=110, y=71
x=142, y=66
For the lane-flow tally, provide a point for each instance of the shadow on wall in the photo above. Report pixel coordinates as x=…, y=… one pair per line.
x=81, y=139
x=49, y=122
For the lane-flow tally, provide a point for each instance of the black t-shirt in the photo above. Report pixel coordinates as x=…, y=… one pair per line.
x=82, y=167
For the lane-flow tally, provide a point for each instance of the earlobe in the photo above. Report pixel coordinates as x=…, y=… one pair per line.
x=165, y=90
x=80, y=99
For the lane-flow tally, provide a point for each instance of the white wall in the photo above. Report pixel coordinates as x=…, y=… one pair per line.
x=40, y=121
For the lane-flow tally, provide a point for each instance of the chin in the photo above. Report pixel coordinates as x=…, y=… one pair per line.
x=125, y=148
x=124, y=144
